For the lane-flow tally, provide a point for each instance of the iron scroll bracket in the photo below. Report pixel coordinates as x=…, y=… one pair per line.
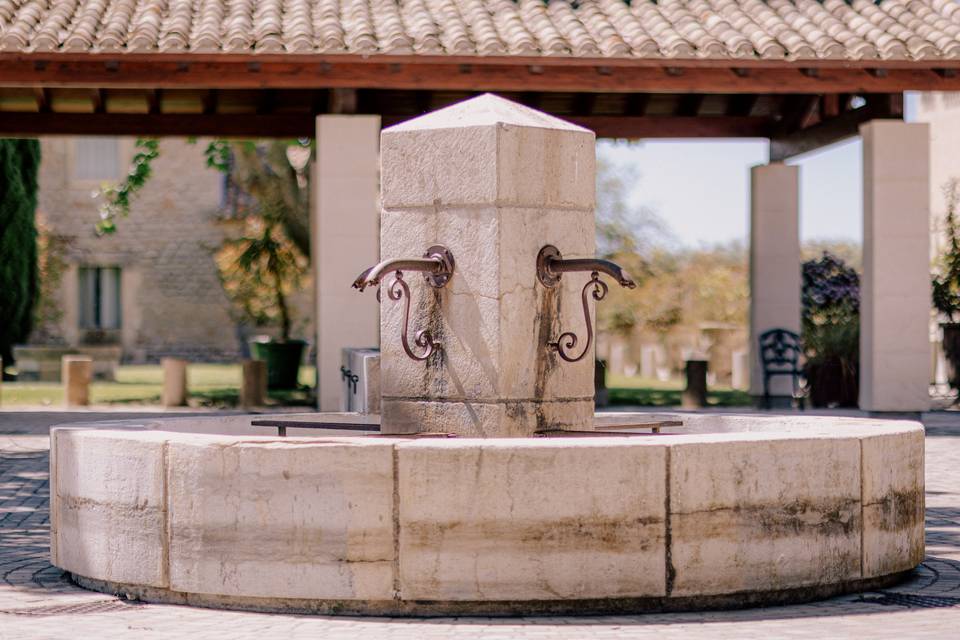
x=568, y=340
x=437, y=266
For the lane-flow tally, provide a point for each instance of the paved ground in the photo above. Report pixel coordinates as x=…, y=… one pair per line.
x=37, y=602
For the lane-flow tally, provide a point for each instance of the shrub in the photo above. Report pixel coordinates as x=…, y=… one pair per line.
x=831, y=330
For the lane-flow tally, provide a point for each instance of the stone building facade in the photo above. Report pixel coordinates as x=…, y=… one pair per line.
x=152, y=287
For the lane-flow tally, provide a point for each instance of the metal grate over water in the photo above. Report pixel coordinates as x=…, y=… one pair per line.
x=77, y=608
x=913, y=601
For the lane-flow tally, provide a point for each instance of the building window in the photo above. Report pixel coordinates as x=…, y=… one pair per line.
x=96, y=159
x=99, y=298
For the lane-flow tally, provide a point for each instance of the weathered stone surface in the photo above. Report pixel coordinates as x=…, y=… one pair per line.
x=480, y=419
x=519, y=520
x=893, y=503
x=494, y=182
x=282, y=519
x=765, y=513
x=488, y=151
x=110, y=505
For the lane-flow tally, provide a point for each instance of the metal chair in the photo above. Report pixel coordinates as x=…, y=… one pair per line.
x=780, y=351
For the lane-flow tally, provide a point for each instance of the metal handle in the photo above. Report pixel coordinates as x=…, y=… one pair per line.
x=351, y=378
x=568, y=340
x=398, y=289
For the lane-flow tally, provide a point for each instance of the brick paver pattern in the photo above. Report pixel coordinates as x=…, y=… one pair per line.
x=37, y=601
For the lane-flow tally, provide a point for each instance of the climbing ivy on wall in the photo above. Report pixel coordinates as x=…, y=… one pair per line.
x=19, y=280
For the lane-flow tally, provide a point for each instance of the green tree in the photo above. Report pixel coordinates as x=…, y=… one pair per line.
x=19, y=280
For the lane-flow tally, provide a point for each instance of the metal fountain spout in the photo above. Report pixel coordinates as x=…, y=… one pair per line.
x=437, y=266
x=551, y=266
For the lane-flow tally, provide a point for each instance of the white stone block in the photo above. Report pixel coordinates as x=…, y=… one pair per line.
x=110, y=505
x=492, y=520
x=751, y=516
x=893, y=503
x=895, y=286
x=493, y=182
x=345, y=240
x=774, y=262
x=286, y=520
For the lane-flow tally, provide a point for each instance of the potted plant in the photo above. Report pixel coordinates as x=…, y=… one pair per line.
x=946, y=284
x=262, y=267
x=259, y=270
x=831, y=331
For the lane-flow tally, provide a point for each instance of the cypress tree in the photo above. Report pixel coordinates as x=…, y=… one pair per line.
x=19, y=276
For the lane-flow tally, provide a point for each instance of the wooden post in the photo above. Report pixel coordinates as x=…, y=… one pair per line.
x=253, y=387
x=76, y=371
x=174, y=382
x=695, y=394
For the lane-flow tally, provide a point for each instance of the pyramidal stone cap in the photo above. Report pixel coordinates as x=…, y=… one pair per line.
x=485, y=110
x=487, y=151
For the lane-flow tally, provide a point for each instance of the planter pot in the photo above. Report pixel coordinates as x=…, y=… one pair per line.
x=951, y=352
x=283, y=361
x=831, y=384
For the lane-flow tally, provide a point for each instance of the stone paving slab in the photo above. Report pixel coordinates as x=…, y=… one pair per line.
x=37, y=602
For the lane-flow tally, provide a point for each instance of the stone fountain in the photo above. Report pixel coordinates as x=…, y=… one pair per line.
x=491, y=486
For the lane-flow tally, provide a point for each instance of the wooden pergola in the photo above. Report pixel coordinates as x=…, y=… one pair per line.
x=798, y=106
x=799, y=73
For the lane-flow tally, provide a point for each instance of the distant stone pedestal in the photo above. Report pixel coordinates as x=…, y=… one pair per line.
x=76, y=372
x=174, y=382
x=601, y=396
x=253, y=387
x=695, y=393
x=740, y=370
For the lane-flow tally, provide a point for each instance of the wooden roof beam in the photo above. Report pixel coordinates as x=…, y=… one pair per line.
x=467, y=74
x=846, y=125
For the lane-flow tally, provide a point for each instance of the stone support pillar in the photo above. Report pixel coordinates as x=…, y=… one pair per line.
x=494, y=182
x=76, y=372
x=253, y=385
x=774, y=262
x=895, y=287
x=344, y=233
x=174, y=382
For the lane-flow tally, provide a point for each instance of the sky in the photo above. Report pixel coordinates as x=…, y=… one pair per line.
x=701, y=189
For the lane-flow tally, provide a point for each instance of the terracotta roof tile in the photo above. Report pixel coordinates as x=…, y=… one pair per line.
x=647, y=29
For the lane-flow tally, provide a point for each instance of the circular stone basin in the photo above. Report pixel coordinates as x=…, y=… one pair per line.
x=728, y=511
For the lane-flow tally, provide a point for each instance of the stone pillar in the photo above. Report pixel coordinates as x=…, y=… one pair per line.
x=494, y=182
x=76, y=372
x=774, y=262
x=253, y=384
x=739, y=369
x=344, y=233
x=895, y=287
x=174, y=382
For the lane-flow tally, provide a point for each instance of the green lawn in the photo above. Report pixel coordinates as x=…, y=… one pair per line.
x=646, y=392
x=211, y=385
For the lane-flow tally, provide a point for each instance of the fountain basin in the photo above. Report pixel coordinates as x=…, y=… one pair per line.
x=730, y=511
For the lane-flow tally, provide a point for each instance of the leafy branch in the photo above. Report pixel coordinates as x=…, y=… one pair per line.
x=117, y=196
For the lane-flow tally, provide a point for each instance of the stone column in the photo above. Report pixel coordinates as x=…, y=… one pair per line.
x=174, y=382
x=895, y=287
x=76, y=372
x=344, y=233
x=494, y=182
x=774, y=262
